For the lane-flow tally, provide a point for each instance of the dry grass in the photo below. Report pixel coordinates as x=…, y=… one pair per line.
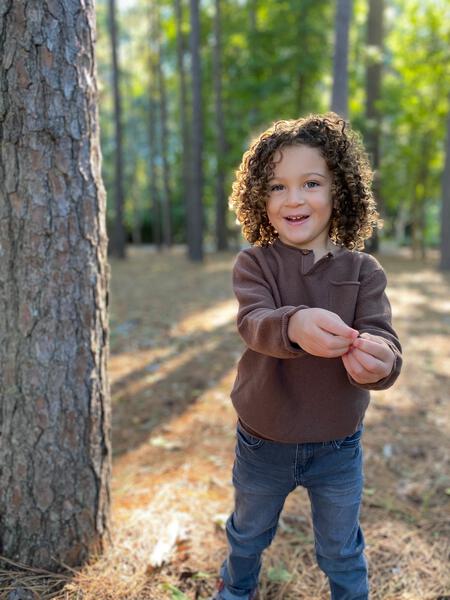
x=174, y=350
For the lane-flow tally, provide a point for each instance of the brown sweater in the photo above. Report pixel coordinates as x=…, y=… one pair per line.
x=281, y=392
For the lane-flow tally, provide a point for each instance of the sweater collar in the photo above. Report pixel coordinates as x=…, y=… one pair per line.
x=307, y=265
x=333, y=250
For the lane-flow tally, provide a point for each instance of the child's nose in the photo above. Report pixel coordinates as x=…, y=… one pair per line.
x=294, y=197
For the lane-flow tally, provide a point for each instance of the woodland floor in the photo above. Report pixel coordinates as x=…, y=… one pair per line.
x=174, y=349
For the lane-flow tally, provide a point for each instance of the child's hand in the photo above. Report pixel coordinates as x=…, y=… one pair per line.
x=369, y=359
x=321, y=332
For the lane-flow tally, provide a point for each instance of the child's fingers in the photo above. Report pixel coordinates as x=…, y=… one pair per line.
x=378, y=349
x=338, y=351
x=333, y=343
x=332, y=323
x=337, y=342
x=356, y=370
x=366, y=361
x=351, y=365
x=327, y=345
x=373, y=338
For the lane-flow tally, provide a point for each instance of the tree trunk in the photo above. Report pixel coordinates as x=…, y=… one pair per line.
x=373, y=78
x=186, y=147
x=152, y=134
x=401, y=221
x=339, y=101
x=419, y=199
x=418, y=228
x=54, y=396
x=166, y=203
x=373, y=93
x=118, y=234
x=195, y=204
x=254, y=116
x=445, y=206
x=137, y=229
x=221, y=199
x=154, y=192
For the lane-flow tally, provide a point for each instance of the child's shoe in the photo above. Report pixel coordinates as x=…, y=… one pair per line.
x=221, y=586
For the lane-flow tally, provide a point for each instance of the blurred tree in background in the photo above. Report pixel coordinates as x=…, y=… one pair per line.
x=117, y=244
x=268, y=60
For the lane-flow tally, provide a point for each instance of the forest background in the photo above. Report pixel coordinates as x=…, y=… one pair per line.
x=273, y=60
x=183, y=88
x=261, y=61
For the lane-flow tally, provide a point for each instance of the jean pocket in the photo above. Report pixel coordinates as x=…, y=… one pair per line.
x=352, y=441
x=247, y=439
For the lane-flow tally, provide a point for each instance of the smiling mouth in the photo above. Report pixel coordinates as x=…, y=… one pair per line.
x=297, y=219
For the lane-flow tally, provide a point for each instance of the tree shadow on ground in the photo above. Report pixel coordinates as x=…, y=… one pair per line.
x=405, y=510
x=137, y=413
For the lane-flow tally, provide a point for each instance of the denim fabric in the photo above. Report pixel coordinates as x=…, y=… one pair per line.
x=264, y=473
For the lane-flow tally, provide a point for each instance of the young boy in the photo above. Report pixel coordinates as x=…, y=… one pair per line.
x=317, y=324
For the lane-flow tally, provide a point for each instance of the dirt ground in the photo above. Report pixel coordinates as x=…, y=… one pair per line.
x=174, y=350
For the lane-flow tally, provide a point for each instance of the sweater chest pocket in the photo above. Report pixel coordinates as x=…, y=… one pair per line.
x=342, y=299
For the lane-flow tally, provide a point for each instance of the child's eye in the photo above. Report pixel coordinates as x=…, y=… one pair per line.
x=311, y=184
x=276, y=188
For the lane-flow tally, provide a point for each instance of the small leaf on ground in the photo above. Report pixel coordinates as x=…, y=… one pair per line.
x=279, y=574
x=176, y=594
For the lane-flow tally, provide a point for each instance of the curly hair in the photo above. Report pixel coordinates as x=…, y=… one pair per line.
x=354, y=214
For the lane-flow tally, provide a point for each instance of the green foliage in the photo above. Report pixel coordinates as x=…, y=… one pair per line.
x=277, y=63
x=414, y=107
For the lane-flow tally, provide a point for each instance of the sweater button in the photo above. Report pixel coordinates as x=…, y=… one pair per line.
x=305, y=251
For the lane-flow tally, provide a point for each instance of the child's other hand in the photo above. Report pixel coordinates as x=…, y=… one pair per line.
x=321, y=332
x=369, y=359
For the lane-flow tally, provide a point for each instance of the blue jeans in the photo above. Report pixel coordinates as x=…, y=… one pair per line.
x=264, y=473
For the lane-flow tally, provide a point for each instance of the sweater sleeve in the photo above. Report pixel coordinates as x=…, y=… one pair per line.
x=262, y=325
x=373, y=315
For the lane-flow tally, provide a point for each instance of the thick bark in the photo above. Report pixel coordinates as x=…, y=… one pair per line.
x=164, y=137
x=195, y=204
x=118, y=234
x=445, y=206
x=186, y=147
x=339, y=100
x=221, y=199
x=54, y=396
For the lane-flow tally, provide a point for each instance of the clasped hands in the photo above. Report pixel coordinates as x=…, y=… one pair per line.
x=320, y=332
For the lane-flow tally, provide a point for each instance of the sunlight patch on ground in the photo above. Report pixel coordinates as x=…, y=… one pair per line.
x=207, y=320
x=124, y=363
x=442, y=306
x=408, y=299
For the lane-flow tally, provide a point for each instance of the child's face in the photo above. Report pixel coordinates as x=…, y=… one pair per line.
x=299, y=205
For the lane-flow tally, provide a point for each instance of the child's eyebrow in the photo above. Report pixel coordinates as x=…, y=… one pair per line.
x=302, y=175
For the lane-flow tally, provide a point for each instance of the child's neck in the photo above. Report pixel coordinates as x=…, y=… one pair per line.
x=318, y=254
